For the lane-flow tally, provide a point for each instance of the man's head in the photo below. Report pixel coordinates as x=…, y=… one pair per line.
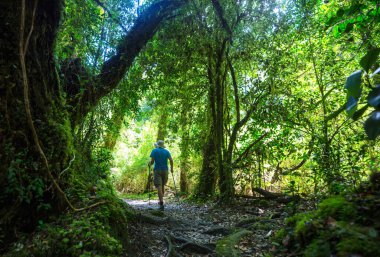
x=160, y=144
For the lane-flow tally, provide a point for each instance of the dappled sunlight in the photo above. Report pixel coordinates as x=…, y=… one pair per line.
x=137, y=203
x=189, y=128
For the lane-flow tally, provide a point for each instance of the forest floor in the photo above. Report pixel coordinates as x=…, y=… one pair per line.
x=199, y=229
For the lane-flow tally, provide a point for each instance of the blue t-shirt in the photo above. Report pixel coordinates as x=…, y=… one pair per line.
x=161, y=156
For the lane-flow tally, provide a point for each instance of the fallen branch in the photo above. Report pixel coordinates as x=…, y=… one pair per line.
x=248, y=196
x=267, y=194
x=281, y=198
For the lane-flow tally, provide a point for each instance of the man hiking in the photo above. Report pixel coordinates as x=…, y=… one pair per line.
x=160, y=156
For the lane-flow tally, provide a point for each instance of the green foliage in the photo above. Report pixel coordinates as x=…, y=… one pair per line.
x=132, y=156
x=318, y=248
x=305, y=229
x=100, y=232
x=336, y=227
x=262, y=225
x=299, y=216
x=359, y=244
x=279, y=235
x=354, y=92
x=143, y=196
x=226, y=246
x=336, y=207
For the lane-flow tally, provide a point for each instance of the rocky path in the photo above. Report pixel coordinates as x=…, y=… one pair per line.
x=243, y=228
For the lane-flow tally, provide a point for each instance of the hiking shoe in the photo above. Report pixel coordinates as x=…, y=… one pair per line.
x=161, y=208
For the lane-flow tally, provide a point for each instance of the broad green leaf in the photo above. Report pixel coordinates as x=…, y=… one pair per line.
x=372, y=125
x=353, y=84
x=373, y=97
x=360, y=112
x=370, y=58
x=336, y=31
x=351, y=106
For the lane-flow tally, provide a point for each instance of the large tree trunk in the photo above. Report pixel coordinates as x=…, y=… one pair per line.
x=208, y=174
x=217, y=80
x=35, y=132
x=35, y=137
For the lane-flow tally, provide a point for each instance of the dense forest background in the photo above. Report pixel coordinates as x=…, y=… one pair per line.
x=270, y=98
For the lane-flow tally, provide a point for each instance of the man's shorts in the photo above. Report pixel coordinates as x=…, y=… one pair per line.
x=160, y=177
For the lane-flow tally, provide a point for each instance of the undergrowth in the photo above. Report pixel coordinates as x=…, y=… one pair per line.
x=98, y=232
x=343, y=225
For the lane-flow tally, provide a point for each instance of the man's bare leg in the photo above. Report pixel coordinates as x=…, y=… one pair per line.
x=160, y=194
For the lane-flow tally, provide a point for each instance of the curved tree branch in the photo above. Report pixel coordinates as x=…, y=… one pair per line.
x=114, y=69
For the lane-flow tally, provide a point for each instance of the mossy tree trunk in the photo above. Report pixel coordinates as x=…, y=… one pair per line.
x=36, y=127
x=208, y=173
x=33, y=112
x=162, y=130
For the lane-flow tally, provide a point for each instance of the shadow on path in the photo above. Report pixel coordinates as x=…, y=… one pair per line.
x=205, y=229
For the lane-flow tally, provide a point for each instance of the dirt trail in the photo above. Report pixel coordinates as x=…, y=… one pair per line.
x=191, y=227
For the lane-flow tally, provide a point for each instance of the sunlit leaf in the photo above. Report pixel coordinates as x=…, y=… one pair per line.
x=351, y=106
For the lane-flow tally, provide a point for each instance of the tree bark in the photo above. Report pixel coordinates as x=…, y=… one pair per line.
x=36, y=128
x=208, y=174
x=35, y=120
x=114, y=69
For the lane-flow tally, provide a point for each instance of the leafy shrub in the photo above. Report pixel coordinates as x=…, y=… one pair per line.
x=335, y=228
x=318, y=248
x=99, y=232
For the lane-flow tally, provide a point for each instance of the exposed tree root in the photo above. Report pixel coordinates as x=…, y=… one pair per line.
x=226, y=246
x=218, y=231
x=171, y=252
x=246, y=222
x=187, y=245
x=191, y=246
x=196, y=248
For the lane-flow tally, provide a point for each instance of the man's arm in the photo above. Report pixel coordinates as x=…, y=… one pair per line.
x=171, y=164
